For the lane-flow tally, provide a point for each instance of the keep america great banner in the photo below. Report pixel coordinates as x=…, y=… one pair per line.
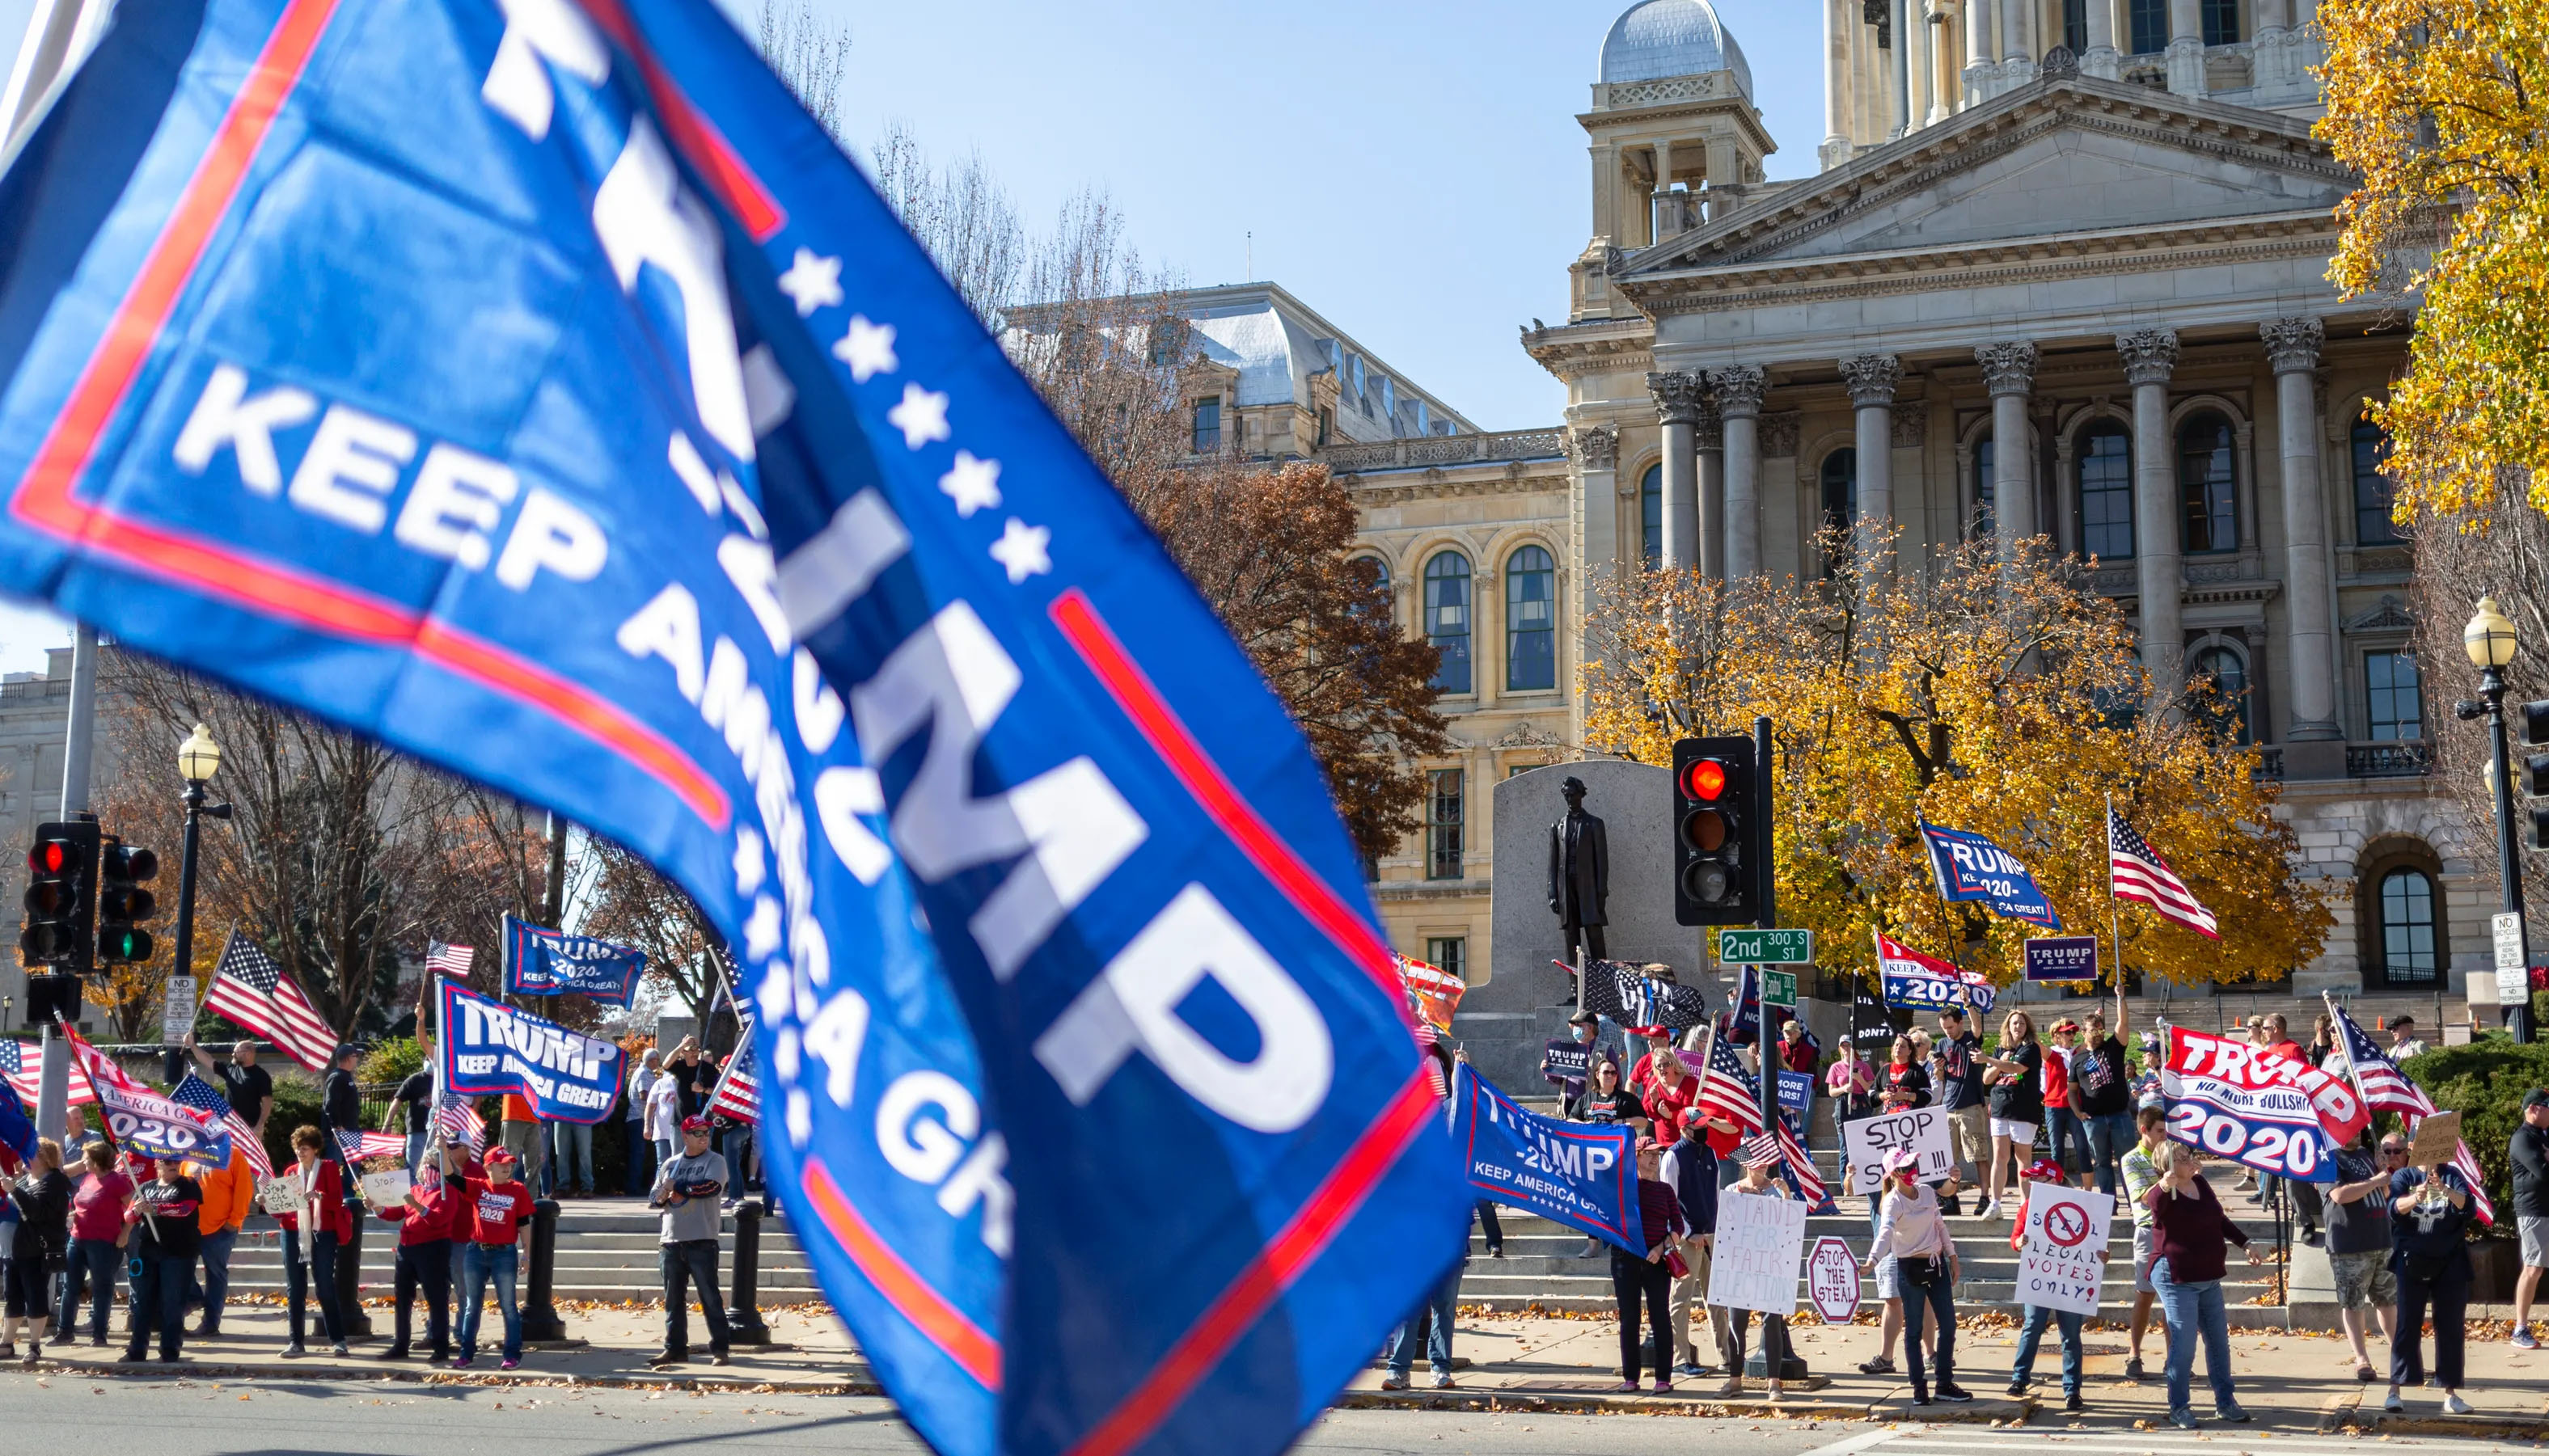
x=534, y=386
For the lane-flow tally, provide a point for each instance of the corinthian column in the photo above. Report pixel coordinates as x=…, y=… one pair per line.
x=1711, y=441
x=1677, y=399
x=2009, y=372
x=1739, y=410
x=2102, y=60
x=1871, y=379
x=2291, y=346
x=2150, y=357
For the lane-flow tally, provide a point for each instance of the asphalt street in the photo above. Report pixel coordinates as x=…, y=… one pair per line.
x=71, y=1416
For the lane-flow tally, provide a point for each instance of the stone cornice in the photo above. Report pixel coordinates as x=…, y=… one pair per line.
x=1573, y=352
x=2274, y=238
x=1976, y=138
x=1438, y=484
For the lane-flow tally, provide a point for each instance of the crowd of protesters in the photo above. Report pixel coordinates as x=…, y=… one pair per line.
x=80, y=1214
x=2395, y=1234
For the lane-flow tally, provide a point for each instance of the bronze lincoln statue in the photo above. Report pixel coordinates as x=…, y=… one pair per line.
x=1579, y=873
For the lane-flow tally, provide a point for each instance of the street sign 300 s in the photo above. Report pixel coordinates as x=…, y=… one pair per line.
x=1765, y=947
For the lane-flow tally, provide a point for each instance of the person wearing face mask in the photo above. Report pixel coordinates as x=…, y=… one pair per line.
x=1643, y=1282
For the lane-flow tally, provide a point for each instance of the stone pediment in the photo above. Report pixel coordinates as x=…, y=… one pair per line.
x=2063, y=158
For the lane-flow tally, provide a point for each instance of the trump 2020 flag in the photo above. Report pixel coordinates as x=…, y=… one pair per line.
x=1581, y=1174
x=541, y=961
x=533, y=385
x=1969, y=866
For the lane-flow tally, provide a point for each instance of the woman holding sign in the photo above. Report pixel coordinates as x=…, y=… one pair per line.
x=1913, y=1232
x=2191, y=1236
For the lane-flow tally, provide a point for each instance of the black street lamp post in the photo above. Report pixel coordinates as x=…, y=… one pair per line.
x=2489, y=640
x=198, y=759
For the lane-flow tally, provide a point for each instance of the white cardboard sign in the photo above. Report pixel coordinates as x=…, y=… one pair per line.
x=385, y=1190
x=1924, y=1130
x=2058, y=1267
x=1761, y=1242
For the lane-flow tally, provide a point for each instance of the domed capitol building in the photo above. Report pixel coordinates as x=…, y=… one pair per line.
x=2062, y=270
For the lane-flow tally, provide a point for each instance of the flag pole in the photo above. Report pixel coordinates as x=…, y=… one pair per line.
x=2116, y=926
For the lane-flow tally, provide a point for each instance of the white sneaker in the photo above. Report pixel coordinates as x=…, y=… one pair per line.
x=338, y=1348
x=2453, y=1404
x=2391, y=1402
x=1990, y=1211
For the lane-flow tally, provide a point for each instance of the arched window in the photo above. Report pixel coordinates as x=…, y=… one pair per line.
x=2372, y=489
x=2221, y=22
x=1379, y=570
x=1985, y=523
x=2228, y=672
x=2407, y=937
x=1651, y=515
x=2203, y=485
x=1531, y=620
x=1839, y=494
x=2150, y=21
x=2106, y=492
x=1447, y=618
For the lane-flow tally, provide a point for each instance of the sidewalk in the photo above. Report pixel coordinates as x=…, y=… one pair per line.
x=2291, y=1381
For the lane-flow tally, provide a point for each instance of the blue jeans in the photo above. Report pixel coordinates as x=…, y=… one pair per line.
x=1441, y=1305
x=2111, y=1136
x=478, y=1264
x=1918, y=1303
x=93, y=1260
x=300, y=1276
x=217, y=1277
x=159, y=1298
x=414, y=1154
x=2061, y=1124
x=688, y=1267
x=574, y=1163
x=2194, y=1310
x=2031, y=1334
x=641, y=1157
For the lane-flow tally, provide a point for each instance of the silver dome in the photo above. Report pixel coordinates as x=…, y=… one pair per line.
x=1672, y=37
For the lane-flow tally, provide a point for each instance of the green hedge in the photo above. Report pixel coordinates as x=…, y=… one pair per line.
x=2486, y=1082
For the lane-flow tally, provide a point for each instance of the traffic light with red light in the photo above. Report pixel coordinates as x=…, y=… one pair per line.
x=61, y=898
x=122, y=903
x=1716, y=825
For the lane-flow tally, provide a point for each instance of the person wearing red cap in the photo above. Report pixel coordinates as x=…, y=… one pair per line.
x=494, y=1210
x=687, y=1190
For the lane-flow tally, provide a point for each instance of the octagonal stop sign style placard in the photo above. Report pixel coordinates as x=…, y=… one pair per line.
x=1832, y=1281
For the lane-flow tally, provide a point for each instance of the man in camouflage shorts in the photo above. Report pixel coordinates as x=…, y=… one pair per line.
x=2358, y=1241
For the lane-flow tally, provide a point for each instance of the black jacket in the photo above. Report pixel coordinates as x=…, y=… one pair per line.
x=2529, y=1155
x=1590, y=878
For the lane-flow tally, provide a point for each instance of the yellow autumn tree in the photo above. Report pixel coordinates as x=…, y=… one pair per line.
x=2004, y=699
x=2441, y=108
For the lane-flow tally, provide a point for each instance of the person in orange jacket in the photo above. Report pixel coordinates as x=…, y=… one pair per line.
x=329, y=1225
x=228, y=1192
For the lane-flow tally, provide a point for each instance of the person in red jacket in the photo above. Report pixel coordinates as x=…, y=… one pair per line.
x=493, y=1211
x=435, y=1207
x=324, y=1226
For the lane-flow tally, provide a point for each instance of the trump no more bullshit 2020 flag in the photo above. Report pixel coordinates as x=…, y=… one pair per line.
x=535, y=387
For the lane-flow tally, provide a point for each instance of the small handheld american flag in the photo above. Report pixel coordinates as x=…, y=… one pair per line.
x=451, y=961
x=1725, y=1090
x=251, y=990
x=2385, y=1088
x=363, y=1146
x=1763, y=1151
x=738, y=1092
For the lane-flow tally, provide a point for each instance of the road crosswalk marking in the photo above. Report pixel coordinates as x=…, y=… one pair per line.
x=2213, y=1440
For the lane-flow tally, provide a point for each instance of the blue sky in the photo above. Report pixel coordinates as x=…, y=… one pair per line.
x=1412, y=170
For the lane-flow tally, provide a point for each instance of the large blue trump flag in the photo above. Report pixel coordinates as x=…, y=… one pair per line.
x=533, y=384
x=1581, y=1174
x=541, y=961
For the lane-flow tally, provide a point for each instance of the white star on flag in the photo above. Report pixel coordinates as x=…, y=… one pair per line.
x=868, y=348
x=921, y=416
x=973, y=483
x=749, y=868
x=761, y=931
x=814, y=283
x=1021, y=548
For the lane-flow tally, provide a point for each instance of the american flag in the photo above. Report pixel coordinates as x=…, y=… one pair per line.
x=1763, y=1151
x=1427, y=1040
x=738, y=1092
x=1725, y=1090
x=2385, y=1088
x=455, y=1116
x=22, y=1062
x=1433, y=993
x=1801, y=1168
x=451, y=961
x=2136, y=872
x=203, y=1096
x=361, y=1146
x=251, y=990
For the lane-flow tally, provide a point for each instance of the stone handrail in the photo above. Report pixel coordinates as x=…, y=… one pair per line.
x=1512, y=444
